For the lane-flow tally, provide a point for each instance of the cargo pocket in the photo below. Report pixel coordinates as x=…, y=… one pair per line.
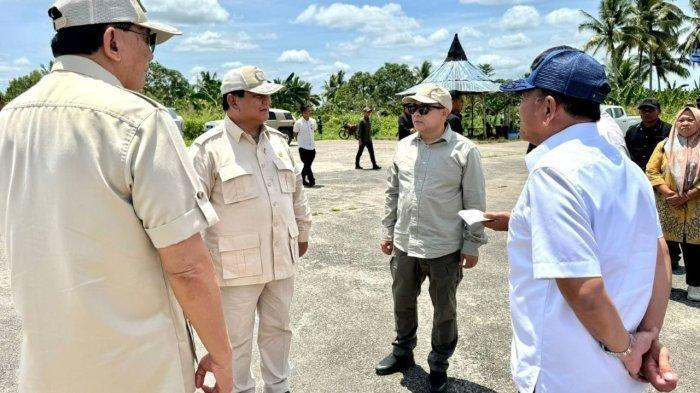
x=294, y=243
x=240, y=256
x=237, y=183
x=285, y=172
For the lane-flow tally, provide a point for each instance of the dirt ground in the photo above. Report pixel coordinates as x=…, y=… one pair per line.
x=342, y=313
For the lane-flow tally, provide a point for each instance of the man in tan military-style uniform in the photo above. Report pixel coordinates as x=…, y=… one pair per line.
x=251, y=178
x=101, y=213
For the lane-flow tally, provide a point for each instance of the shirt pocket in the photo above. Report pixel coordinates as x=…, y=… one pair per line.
x=240, y=256
x=294, y=243
x=237, y=183
x=286, y=176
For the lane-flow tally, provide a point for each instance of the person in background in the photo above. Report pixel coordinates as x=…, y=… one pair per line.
x=304, y=130
x=102, y=216
x=643, y=137
x=435, y=174
x=364, y=135
x=587, y=300
x=405, y=124
x=673, y=171
x=455, y=117
x=250, y=175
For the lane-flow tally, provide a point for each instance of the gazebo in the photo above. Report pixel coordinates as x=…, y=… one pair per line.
x=457, y=73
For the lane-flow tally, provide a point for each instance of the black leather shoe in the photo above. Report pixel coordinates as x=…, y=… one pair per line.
x=376, y=168
x=438, y=381
x=358, y=167
x=393, y=364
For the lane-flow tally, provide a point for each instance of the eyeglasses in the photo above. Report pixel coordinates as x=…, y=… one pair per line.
x=422, y=109
x=149, y=39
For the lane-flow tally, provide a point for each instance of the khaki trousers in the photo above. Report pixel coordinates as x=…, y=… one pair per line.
x=272, y=301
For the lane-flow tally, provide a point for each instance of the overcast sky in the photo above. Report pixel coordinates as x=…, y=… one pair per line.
x=316, y=38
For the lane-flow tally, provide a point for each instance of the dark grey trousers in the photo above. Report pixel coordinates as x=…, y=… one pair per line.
x=444, y=274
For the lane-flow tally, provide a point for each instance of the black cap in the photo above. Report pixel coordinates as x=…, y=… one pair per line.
x=649, y=103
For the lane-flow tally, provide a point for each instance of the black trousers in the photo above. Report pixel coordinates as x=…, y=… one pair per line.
x=444, y=274
x=691, y=259
x=360, y=150
x=307, y=157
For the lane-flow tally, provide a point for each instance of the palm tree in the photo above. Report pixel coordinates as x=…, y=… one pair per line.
x=653, y=29
x=626, y=83
x=665, y=65
x=487, y=69
x=296, y=92
x=423, y=71
x=208, y=88
x=693, y=42
x=607, y=29
x=333, y=84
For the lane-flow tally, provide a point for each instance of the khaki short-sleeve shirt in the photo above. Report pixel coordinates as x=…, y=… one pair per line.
x=256, y=190
x=93, y=179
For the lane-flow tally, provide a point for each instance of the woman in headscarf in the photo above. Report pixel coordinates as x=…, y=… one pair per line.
x=674, y=171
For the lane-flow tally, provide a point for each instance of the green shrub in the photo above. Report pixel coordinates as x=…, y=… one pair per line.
x=194, y=121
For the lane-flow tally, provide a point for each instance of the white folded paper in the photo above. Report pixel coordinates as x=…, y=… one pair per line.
x=472, y=216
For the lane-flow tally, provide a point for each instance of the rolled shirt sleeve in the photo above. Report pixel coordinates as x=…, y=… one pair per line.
x=563, y=243
x=391, y=202
x=166, y=193
x=473, y=197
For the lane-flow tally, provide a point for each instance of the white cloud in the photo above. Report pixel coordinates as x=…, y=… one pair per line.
x=196, y=70
x=22, y=61
x=295, y=56
x=407, y=59
x=493, y=2
x=510, y=41
x=498, y=61
x=266, y=36
x=189, y=12
x=407, y=38
x=231, y=64
x=468, y=31
x=210, y=41
x=564, y=16
x=367, y=19
x=521, y=16
x=342, y=66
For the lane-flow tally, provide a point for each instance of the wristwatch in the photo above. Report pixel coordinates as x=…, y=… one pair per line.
x=622, y=354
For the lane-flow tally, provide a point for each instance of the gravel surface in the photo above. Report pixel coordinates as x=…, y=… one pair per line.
x=342, y=312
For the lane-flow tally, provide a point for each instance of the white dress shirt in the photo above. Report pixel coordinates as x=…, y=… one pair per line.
x=304, y=129
x=585, y=211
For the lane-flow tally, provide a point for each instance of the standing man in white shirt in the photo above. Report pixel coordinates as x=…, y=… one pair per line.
x=304, y=129
x=587, y=299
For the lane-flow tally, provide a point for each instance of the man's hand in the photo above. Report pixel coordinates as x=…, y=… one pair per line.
x=642, y=343
x=303, y=247
x=387, y=246
x=676, y=200
x=499, y=220
x=223, y=373
x=657, y=370
x=468, y=261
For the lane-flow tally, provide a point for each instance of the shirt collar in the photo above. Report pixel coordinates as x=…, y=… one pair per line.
x=84, y=66
x=236, y=132
x=581, y=131
x=446, y=136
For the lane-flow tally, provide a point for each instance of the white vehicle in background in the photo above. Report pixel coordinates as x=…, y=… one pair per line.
x=620, y=116
x=279, y=119
x=179, y=121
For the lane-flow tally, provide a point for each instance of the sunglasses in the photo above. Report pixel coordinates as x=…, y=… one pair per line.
x=149, y=39
x=422, y=109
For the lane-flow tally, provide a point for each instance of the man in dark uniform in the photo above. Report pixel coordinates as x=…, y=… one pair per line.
x=405, y=123
x=364, y=134
x=642, y=138
x=455, y=117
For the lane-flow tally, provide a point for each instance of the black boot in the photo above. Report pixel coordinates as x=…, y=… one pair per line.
x=392, y=364
x=438, y=381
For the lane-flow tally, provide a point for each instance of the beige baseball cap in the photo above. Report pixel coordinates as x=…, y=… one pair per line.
x=248, y=78
x=430, y=94
x=69, y=13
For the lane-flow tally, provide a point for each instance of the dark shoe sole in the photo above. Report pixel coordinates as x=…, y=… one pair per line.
x=395, y=370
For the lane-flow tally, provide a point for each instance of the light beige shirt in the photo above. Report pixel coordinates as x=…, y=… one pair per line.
x=256, y=189
x=94, y=177
x=428, y=185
